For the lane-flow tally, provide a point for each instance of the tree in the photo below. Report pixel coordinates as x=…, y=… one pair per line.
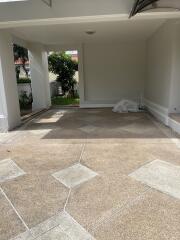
x=64, y=67
x=21, y=54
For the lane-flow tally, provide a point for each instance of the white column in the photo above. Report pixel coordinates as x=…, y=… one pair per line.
x=39, y=76
x=9, y=102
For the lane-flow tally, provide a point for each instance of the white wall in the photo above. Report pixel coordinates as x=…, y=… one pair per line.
x=162, y=86
x=159, y=72
x=113, y=71
x=159, y=66
x=174, y=103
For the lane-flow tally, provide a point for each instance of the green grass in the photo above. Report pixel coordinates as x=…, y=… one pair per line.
x=65, y=101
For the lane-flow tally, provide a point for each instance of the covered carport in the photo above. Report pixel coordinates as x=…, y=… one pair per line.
x=120, y=57
x=83, y=173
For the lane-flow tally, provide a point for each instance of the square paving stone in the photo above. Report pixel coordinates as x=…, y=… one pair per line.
x=74, y=175
x=23, y=236
x=59, y=227
x=9, y=170
x=160, y=175
x=54, y=234
x=72, y=228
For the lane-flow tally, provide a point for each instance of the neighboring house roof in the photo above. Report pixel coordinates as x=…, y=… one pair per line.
x=73, y=54
x=19, y=62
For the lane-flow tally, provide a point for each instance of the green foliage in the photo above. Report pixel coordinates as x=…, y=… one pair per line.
x=23, y=80
x=25, y=101
x=65, y=101
x=21, y=54
x=64, y=67
x=18, y=70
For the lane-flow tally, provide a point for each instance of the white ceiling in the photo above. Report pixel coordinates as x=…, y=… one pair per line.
x=126, y=30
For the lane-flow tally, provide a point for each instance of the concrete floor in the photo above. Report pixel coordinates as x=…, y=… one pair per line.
x=90, y=174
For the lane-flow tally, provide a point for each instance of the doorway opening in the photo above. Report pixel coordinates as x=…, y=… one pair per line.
x=23, y=79
x=64, y=78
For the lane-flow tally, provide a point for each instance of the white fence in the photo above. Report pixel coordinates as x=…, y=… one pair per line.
x=55, y=88
x=24, y=87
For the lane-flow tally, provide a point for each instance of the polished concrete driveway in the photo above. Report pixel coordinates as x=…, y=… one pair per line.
x=90, y=174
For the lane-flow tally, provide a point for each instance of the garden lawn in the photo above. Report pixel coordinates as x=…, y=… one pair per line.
x=65, y=101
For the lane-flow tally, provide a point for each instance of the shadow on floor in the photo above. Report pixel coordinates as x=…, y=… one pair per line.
x=97, y=124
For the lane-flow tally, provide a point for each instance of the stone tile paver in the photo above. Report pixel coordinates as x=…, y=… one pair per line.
x=55, y=234
x=60, y=227
x=9, y=170
x=74, y=175
x=160, y=175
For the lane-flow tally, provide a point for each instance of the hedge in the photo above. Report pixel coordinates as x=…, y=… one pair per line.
x=23, y=80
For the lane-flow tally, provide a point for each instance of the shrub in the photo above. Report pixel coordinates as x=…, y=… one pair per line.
x=21, y=54
x=25, y=101
x=23, y=80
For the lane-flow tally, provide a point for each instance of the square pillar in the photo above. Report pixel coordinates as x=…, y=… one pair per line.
x=9, y=101
x=39, y=76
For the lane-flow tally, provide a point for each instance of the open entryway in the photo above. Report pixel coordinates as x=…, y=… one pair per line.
x=23, y=79
x=64, y=78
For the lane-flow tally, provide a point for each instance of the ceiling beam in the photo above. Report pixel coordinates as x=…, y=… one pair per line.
x=48, y=2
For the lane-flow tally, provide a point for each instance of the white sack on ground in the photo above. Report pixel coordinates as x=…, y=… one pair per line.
x=126, y=106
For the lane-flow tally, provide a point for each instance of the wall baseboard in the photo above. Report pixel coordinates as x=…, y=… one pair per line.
x=161, y=113
x=174, y=125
